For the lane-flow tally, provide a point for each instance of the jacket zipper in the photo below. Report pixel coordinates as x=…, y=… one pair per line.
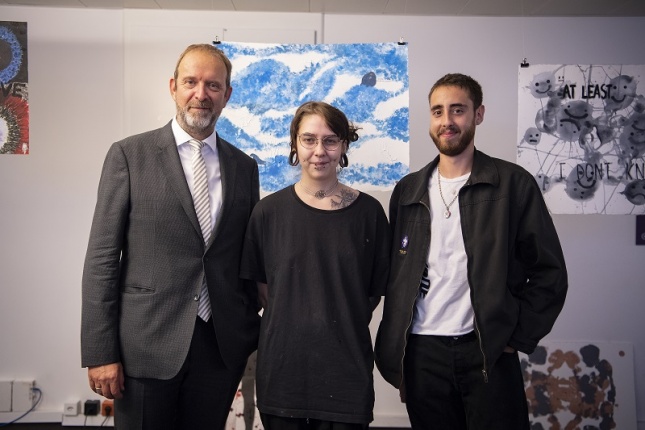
x=407, y=329
x=405, y=342
x=481, y=349
x=479, y=334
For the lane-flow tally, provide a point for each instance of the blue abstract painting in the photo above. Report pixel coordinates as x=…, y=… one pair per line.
x=368, y=82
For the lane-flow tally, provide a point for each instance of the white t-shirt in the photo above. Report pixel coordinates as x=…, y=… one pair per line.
x=443, y=307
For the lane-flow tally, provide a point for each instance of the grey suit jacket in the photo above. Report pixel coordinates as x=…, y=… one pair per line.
x=146, y=259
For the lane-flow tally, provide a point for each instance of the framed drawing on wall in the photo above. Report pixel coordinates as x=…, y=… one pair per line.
x=580, y=385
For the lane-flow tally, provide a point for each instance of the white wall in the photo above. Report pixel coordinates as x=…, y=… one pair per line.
x=76, y=110
x=84, y=94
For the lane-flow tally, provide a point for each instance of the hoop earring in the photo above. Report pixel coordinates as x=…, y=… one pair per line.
x=293, y=158
x=344, y=161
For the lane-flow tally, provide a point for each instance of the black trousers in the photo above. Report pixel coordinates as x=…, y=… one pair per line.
x=446, y=390
x=274, y=422
x=198, y=397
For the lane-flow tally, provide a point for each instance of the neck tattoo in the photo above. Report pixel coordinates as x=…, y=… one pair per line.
x=320, y=194
x=447, y=212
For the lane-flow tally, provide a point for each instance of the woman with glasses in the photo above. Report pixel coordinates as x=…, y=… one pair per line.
x=319, y=251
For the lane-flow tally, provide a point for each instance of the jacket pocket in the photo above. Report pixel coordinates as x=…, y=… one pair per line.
x=131, y=289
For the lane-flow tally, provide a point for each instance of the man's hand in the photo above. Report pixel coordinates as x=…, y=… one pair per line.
x=107, y=380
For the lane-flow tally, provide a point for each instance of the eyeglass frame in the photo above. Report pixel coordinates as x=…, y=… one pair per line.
x=321, y=140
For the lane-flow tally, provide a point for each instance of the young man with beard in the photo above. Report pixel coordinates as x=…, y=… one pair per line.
x=477, y=274
x=167, y=325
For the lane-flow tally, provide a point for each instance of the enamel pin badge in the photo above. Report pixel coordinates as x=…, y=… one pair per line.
x=404, y=245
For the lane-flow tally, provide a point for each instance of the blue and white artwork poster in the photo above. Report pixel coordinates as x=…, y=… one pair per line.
x=581, y=132
x=368, y=82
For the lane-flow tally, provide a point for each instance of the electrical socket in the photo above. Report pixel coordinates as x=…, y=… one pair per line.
x=22, y=396
x=72, y=409
x=92, y=407
x=107, y=408
x=5, y=396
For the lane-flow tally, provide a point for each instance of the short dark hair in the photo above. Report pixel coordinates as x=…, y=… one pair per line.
x=336, y=120
x=462, y=81
x=209, y=49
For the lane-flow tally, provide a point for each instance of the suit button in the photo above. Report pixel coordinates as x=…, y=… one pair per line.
x=196, y=297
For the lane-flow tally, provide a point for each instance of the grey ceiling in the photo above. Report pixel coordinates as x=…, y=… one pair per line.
x=597, y=8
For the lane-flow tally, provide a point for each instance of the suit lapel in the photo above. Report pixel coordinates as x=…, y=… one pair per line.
x=228, y=167
x=171, y=164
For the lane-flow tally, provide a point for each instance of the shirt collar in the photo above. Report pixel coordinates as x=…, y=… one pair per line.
x=182, y=137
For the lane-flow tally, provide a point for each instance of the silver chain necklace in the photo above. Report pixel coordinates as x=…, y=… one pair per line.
x=320, y=194
x=447, y=212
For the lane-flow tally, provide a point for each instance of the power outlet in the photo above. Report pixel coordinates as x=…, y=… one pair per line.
x=5, y=396
x=107, y=408
x=22, y=396
x=92, y=407
x=72, y=409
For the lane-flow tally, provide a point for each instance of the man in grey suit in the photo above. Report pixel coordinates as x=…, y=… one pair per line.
x=148, y=259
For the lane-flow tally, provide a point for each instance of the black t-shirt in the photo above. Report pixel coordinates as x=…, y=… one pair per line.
x=315, y=355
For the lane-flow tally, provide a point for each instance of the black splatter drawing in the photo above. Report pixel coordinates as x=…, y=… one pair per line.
x=570, y=389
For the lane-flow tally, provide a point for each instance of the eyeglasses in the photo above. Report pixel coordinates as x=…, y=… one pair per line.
x=310, y=141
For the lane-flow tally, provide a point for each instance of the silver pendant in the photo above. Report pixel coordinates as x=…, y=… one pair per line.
x=447, y=214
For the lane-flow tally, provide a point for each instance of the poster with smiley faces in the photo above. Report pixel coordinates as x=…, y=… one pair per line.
x=581, y=132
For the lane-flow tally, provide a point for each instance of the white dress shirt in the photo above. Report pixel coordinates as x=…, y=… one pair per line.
x=211, y=158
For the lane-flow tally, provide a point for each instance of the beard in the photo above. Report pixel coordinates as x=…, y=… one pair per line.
x=198, y=121
x=454, y=149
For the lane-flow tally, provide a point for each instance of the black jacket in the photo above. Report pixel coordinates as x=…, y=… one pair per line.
x=516, y=270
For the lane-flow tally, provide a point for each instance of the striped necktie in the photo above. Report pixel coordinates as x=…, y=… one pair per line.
x=201, y=200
